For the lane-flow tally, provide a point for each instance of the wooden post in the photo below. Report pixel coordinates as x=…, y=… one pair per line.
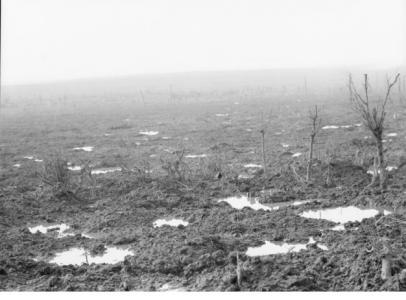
x=263, y=151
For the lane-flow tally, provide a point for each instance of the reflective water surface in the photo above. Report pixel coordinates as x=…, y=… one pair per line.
x=105, y=170
x=240, y=202
x=172, y=222
x=342, y=215
x=85, y=148
x=78, y=256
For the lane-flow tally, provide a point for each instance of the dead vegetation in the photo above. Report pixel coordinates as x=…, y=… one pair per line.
x=315, y=122
x=56, y=175
x=373, y=114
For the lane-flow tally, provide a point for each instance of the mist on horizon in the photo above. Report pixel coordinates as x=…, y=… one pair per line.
x=52, y=40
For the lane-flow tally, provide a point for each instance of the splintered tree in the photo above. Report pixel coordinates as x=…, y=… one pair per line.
x=373, y=116
x=315, y=128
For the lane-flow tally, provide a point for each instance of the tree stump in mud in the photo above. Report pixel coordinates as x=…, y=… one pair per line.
x=239, y=272
x=386, y=271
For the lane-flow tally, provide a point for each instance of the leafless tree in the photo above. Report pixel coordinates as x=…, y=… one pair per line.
x=373, y=116
x=315, y=128
x=263, y=131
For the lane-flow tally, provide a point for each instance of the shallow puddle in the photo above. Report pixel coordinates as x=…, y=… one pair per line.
x=243, y=201
x=221, y=115
x=252, y=166
x=245, y=176
x=105, y=170
x=393, y=134
x=59, y=228
x=270, y=248
x=149, y=132
x=78, y=256
x=167, y=287
x=330, y=127
x=85, y=148
x=172, y=222
x=29, y=157
x=297, y=154
x=74, y=168
x=342, y=215
x=196, y=156
x=388, y=168
x=274, y=248
x=17, y=165
x=285, y=145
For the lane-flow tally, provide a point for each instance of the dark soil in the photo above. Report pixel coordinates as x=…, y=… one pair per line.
x=120, y=208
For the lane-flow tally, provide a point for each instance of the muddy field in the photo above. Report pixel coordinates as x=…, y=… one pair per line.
x=149, y=215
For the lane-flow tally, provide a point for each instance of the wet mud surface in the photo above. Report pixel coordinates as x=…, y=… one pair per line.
x=205, y=254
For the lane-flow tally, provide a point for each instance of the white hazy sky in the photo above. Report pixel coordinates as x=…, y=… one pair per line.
x=46, y=40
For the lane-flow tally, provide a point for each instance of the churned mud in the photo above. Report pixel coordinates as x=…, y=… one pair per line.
x=213, y=229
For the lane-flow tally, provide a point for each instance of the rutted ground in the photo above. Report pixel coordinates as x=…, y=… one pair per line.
x=122, y=208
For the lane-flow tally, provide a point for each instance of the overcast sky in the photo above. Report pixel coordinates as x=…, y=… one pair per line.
x=46, y=40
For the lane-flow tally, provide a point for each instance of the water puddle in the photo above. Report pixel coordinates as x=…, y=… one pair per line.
x=85, y=148
x=221, y=115
x=172, y=222
x=17, y=165
x=196, y=156
x=297, y=154
x=342, y=215
x=244, y=201
x=245, y=176
x=393, y=134
x=274, y=248
x=78, y=256
x=278, y=205
x=59, y=228
x=285, y=145
x=341, y=126
x=270, y=248
x=252, y=166
x=74, y=168
x=29, y=157
x=105, y=170
x=166, y=138
x=167, y=287
x=150, y=133
x=388, y=168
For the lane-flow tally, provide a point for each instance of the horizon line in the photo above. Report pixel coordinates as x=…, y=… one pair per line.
x=166, y=73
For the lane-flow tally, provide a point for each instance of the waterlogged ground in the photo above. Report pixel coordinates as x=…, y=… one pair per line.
x=132, y=226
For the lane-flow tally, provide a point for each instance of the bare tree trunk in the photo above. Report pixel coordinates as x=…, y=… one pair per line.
x=374, y=172
x=263, y=151
x=239, y=272
x=386, y=270
x=381, y=165
x=329, y=182
x=309, y=163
